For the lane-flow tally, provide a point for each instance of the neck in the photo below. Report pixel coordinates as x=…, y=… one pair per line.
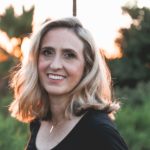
x=58, y=106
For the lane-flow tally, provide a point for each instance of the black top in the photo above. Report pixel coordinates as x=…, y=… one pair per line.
x=95, y=131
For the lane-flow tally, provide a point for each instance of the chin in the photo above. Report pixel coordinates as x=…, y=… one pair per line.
x=57, y=93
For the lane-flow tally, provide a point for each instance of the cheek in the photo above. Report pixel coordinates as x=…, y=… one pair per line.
x=77, y=71
x=41, y=65
x=40, y=70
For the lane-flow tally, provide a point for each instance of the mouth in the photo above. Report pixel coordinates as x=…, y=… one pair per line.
x=55, y=76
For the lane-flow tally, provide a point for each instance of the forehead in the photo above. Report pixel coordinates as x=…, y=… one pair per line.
x=60, y=32
x=63, y=37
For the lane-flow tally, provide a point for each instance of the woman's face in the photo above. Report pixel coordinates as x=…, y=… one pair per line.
x=61, y=61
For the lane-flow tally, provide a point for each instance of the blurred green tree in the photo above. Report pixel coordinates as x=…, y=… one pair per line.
x=18, y=27
x=133, y=119
x=15, y=27
x=135, y=45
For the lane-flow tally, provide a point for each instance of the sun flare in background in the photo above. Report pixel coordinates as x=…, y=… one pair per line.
x=102, y=18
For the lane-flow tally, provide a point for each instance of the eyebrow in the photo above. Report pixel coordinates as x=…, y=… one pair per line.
x=47, y=47
x=64, y=49
x=69, y=50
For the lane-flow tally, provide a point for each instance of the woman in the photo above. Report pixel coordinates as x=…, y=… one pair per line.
x=63, y=89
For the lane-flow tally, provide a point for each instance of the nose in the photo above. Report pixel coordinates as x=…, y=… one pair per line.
x=56, y=63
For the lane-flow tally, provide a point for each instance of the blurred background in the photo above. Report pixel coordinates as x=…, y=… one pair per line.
x=122, y=31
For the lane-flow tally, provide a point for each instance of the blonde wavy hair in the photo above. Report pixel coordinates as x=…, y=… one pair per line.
x=94, y=90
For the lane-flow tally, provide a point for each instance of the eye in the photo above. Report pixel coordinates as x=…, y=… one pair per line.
x=46, y=51
x=69, y=54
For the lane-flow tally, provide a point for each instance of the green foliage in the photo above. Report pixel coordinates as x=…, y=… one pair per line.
x=14, y=134
x=135, y=43
x=133, y=119
x=4, y=104
x=134, y=97
x=4, y=74
x=6, y=65
x=16, y=26
x=134, y=125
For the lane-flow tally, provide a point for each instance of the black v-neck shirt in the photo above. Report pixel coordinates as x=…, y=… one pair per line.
x=95, y=131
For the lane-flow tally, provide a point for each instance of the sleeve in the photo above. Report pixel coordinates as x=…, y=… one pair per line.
x=109, y=138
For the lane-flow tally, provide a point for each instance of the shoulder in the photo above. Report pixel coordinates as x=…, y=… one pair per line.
x=97, y=117
x=104, y=131
x=109, y=137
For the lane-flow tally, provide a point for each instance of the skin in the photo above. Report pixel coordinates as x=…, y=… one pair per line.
x=61, y=61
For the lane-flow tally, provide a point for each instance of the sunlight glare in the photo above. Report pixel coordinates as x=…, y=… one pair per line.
x=25, y=46
x=142, y=3
x=5, y=42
